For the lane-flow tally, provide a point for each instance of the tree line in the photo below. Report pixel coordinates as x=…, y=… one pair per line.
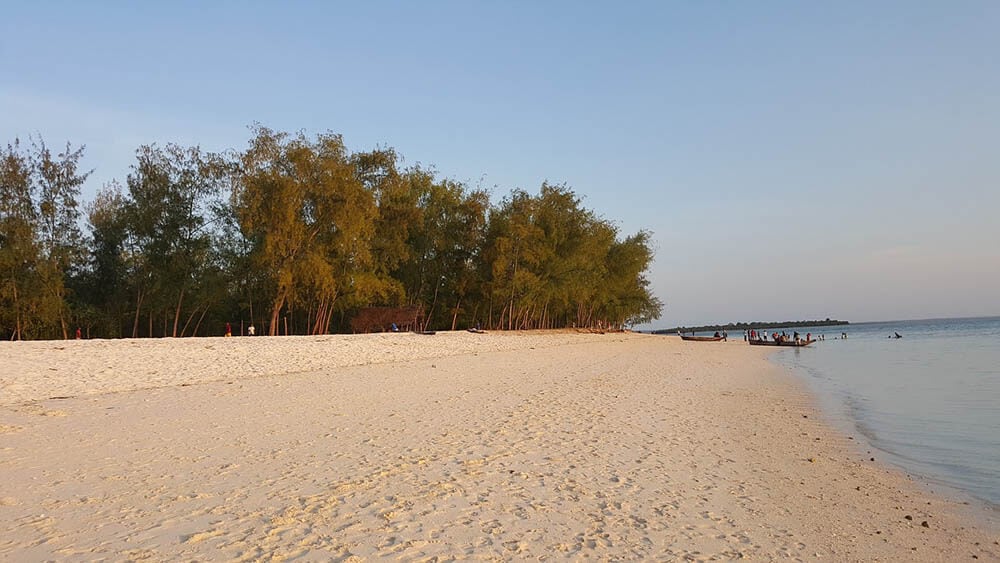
x=753, y=325
x=295, y=234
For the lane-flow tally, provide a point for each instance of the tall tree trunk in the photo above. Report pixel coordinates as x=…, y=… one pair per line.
x=195, y=331
x=62, y=317
x=17, y=315
x=190, y=318
x=279, y=302
x=430, y=313
x=138, y=308
x=177, y=311
x=329, y=319
x=317, y=323
x=454, y=314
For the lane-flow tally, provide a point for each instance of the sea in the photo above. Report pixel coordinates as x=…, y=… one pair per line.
x=929, y=402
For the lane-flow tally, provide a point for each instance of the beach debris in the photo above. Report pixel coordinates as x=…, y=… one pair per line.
x=908, y=517
x=925, y=524
x=872, y=459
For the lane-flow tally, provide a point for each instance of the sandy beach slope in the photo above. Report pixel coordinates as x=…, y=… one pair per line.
x=453, y=446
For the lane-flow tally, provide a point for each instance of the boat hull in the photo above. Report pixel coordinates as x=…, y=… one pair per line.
x=701, y=338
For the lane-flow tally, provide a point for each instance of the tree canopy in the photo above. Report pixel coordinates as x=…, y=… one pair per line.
x=296, y=234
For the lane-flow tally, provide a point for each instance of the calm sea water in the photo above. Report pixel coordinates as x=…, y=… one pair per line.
x=930, y=401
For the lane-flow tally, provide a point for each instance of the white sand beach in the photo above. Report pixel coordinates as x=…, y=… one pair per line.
x=498, y=446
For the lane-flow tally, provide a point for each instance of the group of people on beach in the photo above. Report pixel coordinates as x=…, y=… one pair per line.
x=776, y=337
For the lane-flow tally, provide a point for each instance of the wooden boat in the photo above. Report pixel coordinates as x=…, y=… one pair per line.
x=701, y=338
x=792, y=343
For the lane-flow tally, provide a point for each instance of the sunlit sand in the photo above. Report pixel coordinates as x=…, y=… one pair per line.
x=457, y=445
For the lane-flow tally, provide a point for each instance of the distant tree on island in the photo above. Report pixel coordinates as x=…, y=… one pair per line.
x=296, y=235
x=751, y=326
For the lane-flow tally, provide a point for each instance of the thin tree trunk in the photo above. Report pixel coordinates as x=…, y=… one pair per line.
x=427, y=320
x=62, y=317
x=317, y=323
x=195, y=331
x=329, y=319
x=454, y=315
x=138, y=308
x=177, y=311
x=17, y=315
x=190, y=318
x=279, y=301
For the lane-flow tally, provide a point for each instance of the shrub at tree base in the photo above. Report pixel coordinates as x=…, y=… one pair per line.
x=381, y=319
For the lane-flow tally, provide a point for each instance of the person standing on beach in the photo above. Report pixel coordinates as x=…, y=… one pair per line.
x=251, y=331
x=229, y=329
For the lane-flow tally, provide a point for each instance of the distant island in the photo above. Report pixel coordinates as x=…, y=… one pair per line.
x=750, y=326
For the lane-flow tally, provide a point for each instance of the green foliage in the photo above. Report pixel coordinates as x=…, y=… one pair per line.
x=295, y=234
x=311, y=221
x=40, y=242
x=555, y=264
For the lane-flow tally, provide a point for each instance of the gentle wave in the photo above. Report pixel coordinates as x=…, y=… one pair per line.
x=929, y=400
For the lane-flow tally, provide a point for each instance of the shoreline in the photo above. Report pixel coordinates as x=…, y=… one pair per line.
x=512, y=446
x=838, y=416
x=980, y=510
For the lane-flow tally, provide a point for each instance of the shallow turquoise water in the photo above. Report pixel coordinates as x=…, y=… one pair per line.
x=930, y=401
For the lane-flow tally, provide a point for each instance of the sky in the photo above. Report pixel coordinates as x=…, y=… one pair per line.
x=793, y=160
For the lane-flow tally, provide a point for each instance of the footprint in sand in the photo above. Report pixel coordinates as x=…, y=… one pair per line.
x=40, y=411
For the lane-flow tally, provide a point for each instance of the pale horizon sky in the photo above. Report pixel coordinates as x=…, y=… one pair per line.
x=792, y=160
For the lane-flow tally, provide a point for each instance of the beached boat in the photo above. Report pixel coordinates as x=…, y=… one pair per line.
x=793, y=343
x=701, y=338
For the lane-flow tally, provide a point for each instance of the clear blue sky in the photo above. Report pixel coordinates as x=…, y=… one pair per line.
x=793, y=159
